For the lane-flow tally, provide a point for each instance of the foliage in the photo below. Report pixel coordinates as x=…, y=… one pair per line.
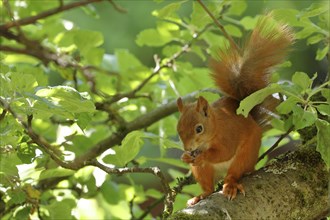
x=73, y=116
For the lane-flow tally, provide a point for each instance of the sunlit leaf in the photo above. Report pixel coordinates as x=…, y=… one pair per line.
x=56, y=172
x=152, y=38
x=286, y=106
x=249, y=22
x=61, y=210
x=233, y=30
x=302, y=80
x=128, y=150
x=66, y=98
x=315, y=9
x=256, y=98
x=322, y=52
x=237, y=8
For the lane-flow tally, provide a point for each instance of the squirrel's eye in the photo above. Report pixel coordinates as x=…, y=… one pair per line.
x=199, y=129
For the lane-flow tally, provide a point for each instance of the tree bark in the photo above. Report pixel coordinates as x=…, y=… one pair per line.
x=294, y=186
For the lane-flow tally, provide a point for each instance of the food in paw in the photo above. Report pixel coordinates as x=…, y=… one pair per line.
x=195, y=153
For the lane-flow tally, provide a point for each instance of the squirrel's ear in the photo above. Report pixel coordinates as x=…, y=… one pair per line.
x=179, y=103
x=203, y=106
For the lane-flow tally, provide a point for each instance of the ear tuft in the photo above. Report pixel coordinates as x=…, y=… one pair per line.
x=180, y=105
x=202, y=106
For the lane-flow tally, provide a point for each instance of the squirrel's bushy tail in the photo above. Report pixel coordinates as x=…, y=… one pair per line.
x=240, y=73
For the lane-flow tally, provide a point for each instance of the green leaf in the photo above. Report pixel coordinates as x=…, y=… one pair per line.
x=302, y=80
x=171, y=144
x=237, y=8
x=199, y=18
x=86, y=39
x=26, y=152
x=326, y=93
x=81, y=144
x=94, y=56
x=23, y=213
x=306, y=32
x=315, y=9
x=23, y=82
x=302, y=119
x=11, y=131
x=287, y=106
x=198, y=51
x=61, y=210
x=256, y=98
x=278, y=124
x=169, y=11
x=233, y=30
x=67, y=98
x=315, y=39
x=17, y=196
x=110, y=192
x=248, y=22
x=153, y=38
x=8, y=167
x=321, y=53
x=56, y=172
x=324, y=109
x=127, y=62
x=288, y=15
x=129, y=149
x=170, y=50
x=323, y=140
x=83, y=120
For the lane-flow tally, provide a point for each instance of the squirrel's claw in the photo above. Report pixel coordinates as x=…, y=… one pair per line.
x=193, y=201
x=230, y=190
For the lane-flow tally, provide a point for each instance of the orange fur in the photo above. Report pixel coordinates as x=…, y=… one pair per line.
x=227, y=144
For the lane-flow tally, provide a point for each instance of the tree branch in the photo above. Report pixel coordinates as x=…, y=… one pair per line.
x=276, y=143
x=168, y=204
x=35, y=18
x=293, y=186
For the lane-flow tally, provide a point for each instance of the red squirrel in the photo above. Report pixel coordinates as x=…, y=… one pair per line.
x=218, y=142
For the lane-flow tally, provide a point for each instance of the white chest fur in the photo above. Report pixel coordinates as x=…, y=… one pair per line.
x=221, y=169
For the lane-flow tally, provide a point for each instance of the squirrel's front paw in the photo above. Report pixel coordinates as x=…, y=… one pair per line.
x=199, y=160
x=230, y=190
x=187, y=158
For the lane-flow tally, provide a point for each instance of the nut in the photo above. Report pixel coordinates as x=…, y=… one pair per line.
x=195, y=153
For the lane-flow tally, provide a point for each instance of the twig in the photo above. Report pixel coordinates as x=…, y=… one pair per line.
x=117, y=7
x=33, y=19
x=187, y=180
x=276, y=143
x=158, y=67
x=168, y=205
x=231, y=40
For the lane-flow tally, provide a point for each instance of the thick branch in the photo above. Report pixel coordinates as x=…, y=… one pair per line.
x=292, y=187
x=143, y=121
